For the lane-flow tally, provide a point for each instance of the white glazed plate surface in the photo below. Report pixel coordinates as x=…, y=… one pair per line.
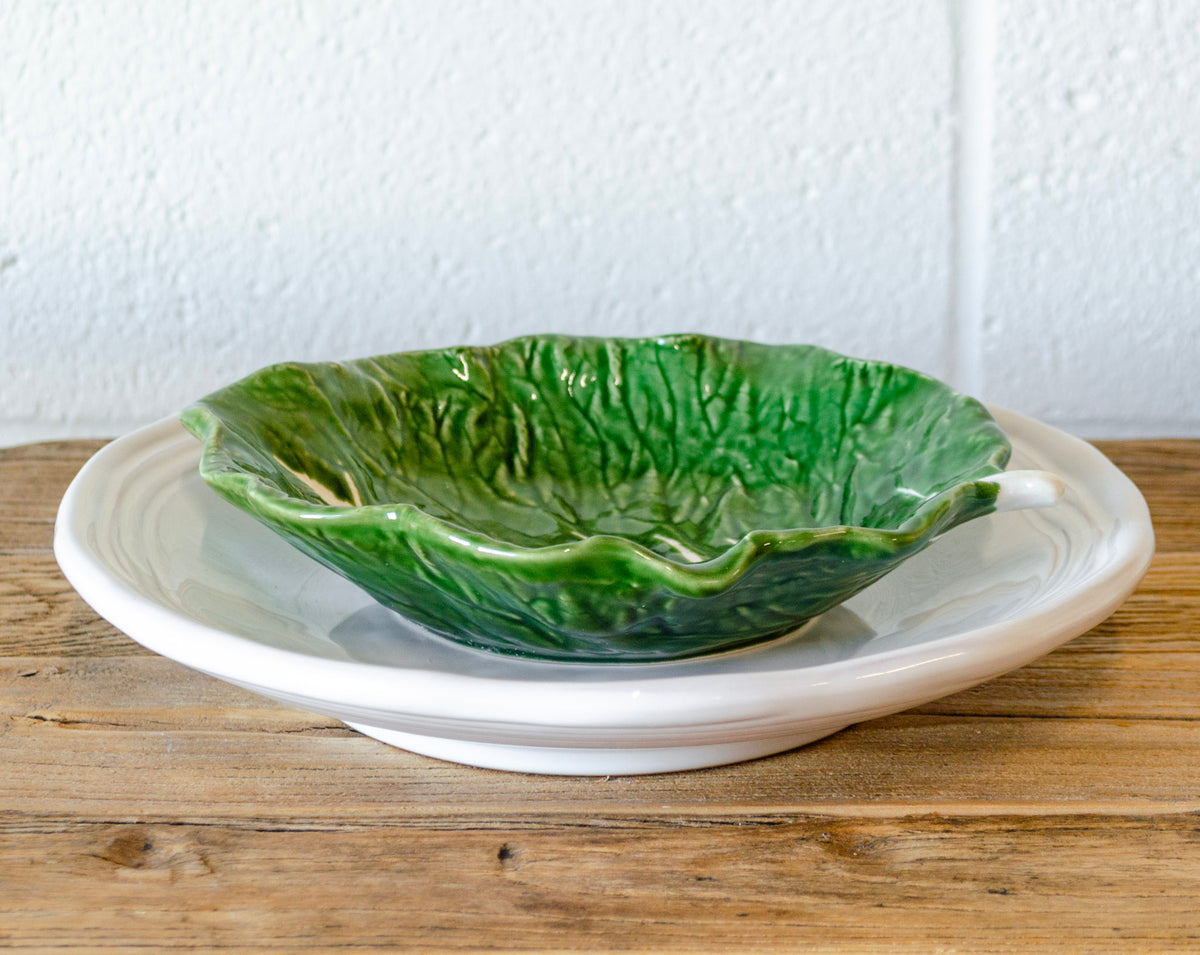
x=164, y=559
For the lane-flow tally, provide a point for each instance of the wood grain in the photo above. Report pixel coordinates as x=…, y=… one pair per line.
x=297, y=769
x=920, y=884
x=34, y=478
x=145, y=807
x=1168, y=474
x=40, y=613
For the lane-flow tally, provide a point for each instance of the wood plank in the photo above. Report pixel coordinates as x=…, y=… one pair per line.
x=144, y=806
x=33, y=479
x=41, y=614
x=1168, y=474
x=1160, y=462
x=994, y=884
x=152, y=693
x=323, y=774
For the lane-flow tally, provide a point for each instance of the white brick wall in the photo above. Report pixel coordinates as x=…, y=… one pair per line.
x=189, y=190
x=1093, y=307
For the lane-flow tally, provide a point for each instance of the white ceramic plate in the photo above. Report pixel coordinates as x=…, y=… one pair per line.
x=164, y=559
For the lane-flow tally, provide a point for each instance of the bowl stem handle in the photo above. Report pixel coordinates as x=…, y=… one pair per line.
x=1021, y=489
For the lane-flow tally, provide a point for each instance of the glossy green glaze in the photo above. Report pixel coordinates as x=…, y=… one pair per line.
x=608, y=500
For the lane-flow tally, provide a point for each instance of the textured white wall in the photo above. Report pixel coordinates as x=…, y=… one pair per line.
x=189, y=190
x=1093, y=308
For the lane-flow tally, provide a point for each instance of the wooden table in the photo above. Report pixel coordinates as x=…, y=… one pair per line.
x=145, y=807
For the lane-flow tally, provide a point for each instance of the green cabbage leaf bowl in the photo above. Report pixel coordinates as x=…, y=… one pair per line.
x=603, y=499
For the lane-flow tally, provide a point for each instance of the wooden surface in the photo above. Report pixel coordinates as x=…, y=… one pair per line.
x=147, y=808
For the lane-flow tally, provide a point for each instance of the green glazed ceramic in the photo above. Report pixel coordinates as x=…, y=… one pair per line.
x=607, y=500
